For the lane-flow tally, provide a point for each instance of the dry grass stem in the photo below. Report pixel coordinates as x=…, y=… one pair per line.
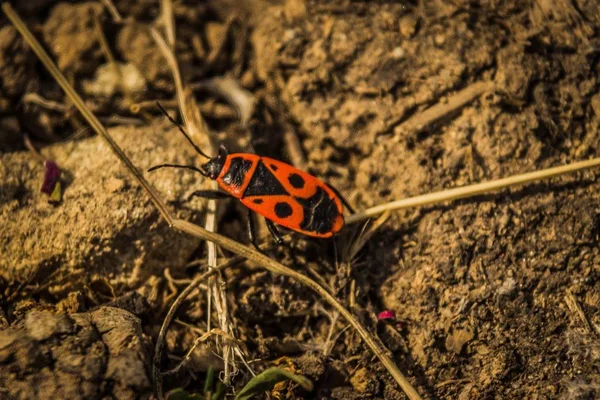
x=421, y=120
x=112, y=9
x=197, y=129
x=168, y=21
x=576, y=309
x=472, y=190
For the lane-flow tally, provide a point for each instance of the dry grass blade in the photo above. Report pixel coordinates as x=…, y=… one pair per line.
x=112, y=9
x=167, y=20
x=252, y=255
x=277, y=268
x=472, y=190
x=442, y=109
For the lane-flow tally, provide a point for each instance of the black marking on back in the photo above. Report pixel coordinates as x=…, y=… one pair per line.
x=257, y=201
x=283, y=210
x=264, y=183
x=320, y=212
x=296, y=181
x=238, y=168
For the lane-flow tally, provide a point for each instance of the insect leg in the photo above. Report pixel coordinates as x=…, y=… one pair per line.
x=344, y=201
x=209, y=194
x=274, y=232
x=252, y=230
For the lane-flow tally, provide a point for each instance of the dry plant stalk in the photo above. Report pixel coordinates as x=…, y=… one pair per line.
x=197, y=127
x=430, y=115
x=244, y=251
x=472, y=190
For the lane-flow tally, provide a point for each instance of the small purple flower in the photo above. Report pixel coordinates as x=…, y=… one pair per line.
x=387, y=314
x=51, y=177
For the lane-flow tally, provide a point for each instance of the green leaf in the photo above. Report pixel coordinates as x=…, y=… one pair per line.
x=209, y=380
x=268, y=379
x=220, y=392
x=180, y=394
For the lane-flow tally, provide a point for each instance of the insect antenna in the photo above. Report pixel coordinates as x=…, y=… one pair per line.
x=176, y=166
x=181, y=130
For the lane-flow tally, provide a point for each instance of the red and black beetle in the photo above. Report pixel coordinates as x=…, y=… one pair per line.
x=278, y=191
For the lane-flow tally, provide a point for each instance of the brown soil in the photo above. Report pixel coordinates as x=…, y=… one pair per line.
x=495, y=297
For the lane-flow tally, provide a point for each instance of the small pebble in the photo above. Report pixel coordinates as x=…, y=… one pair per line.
x=397, y=53
x=439, y=39
x=114, y=185
x=408, y=26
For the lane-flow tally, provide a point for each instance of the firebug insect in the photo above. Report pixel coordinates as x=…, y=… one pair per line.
x=278, y=191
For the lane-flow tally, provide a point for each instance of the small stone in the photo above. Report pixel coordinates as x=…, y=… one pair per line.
x=458, y=339
x=364, y=381
x=114, y=185
x=439, y=39
x=397, y=53
x=408, y=26
x=215, y=33
x=42, y=325
x=74, y=303
x=295, y=10
x=107, y=81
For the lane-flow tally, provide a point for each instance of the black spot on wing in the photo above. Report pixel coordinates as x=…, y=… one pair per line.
x=283, y=210
x=238, y=168
x=257, y=201
x=296, y=181
x=320, y=212
x=274, y=167
x=264, y=183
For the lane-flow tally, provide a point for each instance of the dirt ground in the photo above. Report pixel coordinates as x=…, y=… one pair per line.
x=496, y=297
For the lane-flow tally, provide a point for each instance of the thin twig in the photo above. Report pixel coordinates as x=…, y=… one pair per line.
x=112, y=9
x=440, y=110
x=472, y=190
x=151, y=104
x=328, y=346
x=197, y=342
x=111, y=60
x=575, y=308
x=34, y=98
x=168, y=22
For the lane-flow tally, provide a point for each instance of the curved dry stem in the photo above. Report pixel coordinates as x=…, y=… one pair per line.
x=160, y=339
x=244, y=251
x=277, y=268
